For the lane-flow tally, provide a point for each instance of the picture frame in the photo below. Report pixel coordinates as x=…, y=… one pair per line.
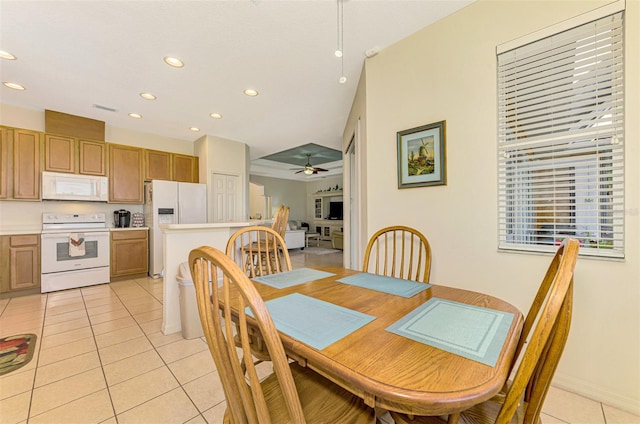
x=422, y=156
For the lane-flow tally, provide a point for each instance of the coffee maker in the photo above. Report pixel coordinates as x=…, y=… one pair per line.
x=121, y=218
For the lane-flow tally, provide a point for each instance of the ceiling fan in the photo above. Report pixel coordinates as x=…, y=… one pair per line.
x=310, y=170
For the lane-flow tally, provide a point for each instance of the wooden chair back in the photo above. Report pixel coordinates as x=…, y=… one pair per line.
x=280, y=220
x=259, y=251
x=245, y=398
x=400, y=252
x=551, y=314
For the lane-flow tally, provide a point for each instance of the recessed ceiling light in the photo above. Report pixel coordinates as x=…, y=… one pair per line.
x=338, y=53
x=194, y=129
x=342, y=79
x=172, y=61
x=147, y=96
x=135, y=115
x=7, y=55
x=215, y=115
x=13, y=85
x=250, y=92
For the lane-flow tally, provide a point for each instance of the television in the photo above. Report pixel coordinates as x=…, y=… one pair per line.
x=335, y=210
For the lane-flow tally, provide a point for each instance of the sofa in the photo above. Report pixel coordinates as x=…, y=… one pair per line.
x=294, y=239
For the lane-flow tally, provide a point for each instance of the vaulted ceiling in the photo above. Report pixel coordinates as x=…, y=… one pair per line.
x=95, y=58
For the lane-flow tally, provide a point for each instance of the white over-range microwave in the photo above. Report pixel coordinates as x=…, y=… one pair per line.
x=88, y=188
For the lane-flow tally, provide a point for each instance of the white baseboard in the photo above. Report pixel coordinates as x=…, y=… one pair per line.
x=599, y=394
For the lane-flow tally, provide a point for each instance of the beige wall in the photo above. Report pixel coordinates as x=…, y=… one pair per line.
x=448, y=72
x=31, y=119
x=28, y=215
x=355, y=189
x=286, y=192
x=223, y=156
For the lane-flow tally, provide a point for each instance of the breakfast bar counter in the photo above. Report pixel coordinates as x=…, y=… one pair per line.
x=178, y=241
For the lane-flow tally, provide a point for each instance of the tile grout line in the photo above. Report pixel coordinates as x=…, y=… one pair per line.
x=165, y=364
x=29, y=417
x=99, y=357
x=200, y=413
x=35, y=370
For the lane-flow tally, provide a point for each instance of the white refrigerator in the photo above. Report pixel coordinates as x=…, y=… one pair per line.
x=170, y=202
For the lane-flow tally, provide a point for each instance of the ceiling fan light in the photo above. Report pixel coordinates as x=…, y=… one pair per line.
x=308, y=171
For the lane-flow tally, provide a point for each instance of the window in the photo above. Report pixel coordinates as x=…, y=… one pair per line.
x=561, y=140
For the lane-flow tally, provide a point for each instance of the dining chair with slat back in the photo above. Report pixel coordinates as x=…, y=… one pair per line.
x=259, y=251
x=280, y=220
x=292, y=394
x=399, y=251
x=547, y=324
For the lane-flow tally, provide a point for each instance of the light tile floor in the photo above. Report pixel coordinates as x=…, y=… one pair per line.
x=101, y=358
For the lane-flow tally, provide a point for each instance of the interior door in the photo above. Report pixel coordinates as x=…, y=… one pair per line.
x=225, y=195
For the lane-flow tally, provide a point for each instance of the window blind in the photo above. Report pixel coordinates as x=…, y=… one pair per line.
x=561, y=140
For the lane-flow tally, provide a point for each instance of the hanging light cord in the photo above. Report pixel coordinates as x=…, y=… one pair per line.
x=340, y=12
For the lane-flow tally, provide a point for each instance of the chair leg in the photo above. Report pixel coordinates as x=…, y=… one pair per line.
x=453, y=418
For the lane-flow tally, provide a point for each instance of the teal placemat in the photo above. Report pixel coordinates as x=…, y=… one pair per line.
x=292, y=278
x=390, y=285
x=471, y=331
x=312, y=321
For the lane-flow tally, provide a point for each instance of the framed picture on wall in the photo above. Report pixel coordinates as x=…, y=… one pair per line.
x=421, y=156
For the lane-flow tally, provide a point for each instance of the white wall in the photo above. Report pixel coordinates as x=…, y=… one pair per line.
x=448, y=72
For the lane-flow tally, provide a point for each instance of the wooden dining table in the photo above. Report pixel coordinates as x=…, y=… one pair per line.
x=390, y=371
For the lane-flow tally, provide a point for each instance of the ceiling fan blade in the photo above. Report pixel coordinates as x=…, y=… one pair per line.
x=320, y=169
x=299, y=171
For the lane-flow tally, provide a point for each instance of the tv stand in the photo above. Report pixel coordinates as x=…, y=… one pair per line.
x=322, y=224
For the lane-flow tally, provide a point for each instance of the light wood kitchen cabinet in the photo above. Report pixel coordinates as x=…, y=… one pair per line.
x=59, y=153
x=74, y=156
x=185, y=168
x=157, y=165
x=93, y=157
x=129, y=253
x=19, y=262
x=125, y=174
x=4, y=162
x=26, y=164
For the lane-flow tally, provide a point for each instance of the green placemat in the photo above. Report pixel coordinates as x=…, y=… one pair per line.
x=292, y=278
x=312, y=321
x=471, y=331
x=381, y=283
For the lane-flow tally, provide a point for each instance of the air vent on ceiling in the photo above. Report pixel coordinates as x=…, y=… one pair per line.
x=110, y=109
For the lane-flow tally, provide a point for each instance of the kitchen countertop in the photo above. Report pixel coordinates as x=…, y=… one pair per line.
x=204, y=226
x=127, y=228
x=12, y=230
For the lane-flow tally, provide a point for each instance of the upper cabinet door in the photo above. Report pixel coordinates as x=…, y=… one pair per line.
x=93, y=157
x=59, y=153
x=157, y=165
x=26, y=165
x=185, y=168
x=125, y=174
x=4, y=163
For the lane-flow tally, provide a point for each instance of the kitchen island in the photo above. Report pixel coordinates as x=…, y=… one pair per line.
x=178, y=241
